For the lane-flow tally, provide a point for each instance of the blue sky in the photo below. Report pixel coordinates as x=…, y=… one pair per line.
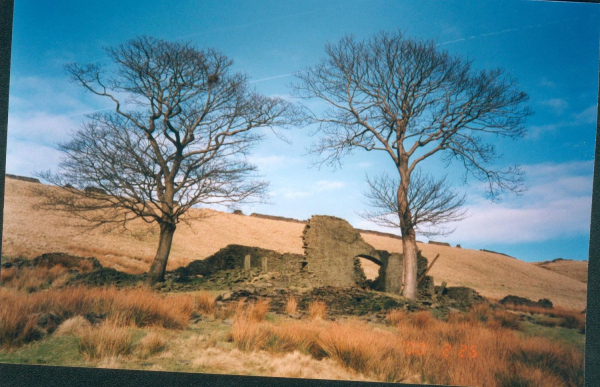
x=551, y=48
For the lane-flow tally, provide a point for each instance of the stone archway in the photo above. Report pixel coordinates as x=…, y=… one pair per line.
x=370, y=266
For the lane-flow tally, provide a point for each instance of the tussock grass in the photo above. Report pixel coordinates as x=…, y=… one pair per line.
x=317, y=310
x=473, y=350
x=291, y=305
x=568, y=318
x=154, y=342
x=253, y=312
x=482, y=314
x=8, y=274
x=31, y=279
x=231, y=309
x=73, y=326
x=205, y=303
x=136, y=307
x=108, y=340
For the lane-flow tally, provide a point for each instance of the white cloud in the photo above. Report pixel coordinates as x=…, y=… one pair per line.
x=503, y=224
x=588, y=116
x=289, y=193
x=328, y=185
x=536, y=131
x=47, y=94
x=25, y=158
x=309, y=190
x=558, y=204
x=545, y=82
x=40, y=127
x=558, y=105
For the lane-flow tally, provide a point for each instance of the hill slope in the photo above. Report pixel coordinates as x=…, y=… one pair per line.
x=29, y=232
x=573, y=269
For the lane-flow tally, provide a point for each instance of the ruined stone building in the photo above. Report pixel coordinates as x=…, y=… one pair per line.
x=332, y=252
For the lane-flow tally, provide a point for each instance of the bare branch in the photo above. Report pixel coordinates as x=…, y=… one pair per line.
x=182, y=126
x=431, y=201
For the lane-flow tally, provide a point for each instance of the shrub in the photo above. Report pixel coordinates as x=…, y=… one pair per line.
x=573, y=321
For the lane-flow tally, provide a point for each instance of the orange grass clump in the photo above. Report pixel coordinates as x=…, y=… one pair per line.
x=205, y=303
x=151, y=344
x=139, y=307
x=569, y=318
x=253, y=312
x=31, y=279
x=317, y=310
x=291, y=305
x=457, y=352
x=108, y=340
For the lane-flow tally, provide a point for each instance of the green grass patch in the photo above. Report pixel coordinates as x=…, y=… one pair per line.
x=557, y=334
x=52, y=350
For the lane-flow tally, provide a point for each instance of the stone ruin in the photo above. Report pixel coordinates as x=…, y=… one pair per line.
x=332, y=252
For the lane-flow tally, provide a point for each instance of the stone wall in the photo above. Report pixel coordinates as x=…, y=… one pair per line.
x=280, y=218
x=440, y=243
x=330, y=246
x=23, y=178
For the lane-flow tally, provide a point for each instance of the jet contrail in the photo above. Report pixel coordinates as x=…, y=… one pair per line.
x=270, y=78
x=504, y=31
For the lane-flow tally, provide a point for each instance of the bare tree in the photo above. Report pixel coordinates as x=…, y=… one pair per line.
x=410, y=100
x=182, y=124
x=432, y=202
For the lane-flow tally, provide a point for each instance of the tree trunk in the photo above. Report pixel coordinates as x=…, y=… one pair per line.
x=409, y=239
x=409, y=248
x=157, y=270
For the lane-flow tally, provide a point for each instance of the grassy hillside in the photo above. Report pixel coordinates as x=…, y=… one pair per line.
x=573, y=269
x=29, y=232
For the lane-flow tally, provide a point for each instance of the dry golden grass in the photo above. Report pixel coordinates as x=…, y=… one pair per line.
x=231, y=309
x=154, y=342
x=8, y=274
x=205, y=303
x=568, y=318
x=492, y=275
x=289, y=365
x=371, y=269
x=291, y=305
x=137, y=307
x=24, y=236
x=31, y=279
x=108, y=340
x=574, y=269
x=422, y=349
x=317, y=310
x=18, y=321
x=253, y=312
x=72, y=326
